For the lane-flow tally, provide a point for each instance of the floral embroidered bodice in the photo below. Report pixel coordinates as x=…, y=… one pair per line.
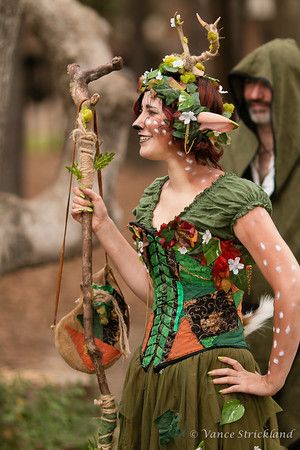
x=199, y=279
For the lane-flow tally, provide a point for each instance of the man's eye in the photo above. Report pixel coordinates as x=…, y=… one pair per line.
x=151, y=112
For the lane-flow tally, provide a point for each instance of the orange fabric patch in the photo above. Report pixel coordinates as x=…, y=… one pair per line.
x=109, y=353
x=185, y=341
x=147, y=332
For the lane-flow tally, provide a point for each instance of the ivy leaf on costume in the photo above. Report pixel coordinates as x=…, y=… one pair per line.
x=222, y=139
x=191, y=88
x=186, y=101
x=168, y=68
x=166, y=92
x=201, y=446
x=168, y=427
x=103, y=160
x=74, y=169
x=152, y=74
x=191, y=269
x=212, y=250
x=232, y=411
x=239, y=280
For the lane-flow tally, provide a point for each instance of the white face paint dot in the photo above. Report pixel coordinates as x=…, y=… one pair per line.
x=288, y=329
x=280, y=315
x=265, y=262
x=156, y=130
x=164, y=131
x=203, y=180
x=278, y=269
x=188, y=169
x=262, y=246
x=278, y=295
x=278, y=248
x=179, y=153
x=277, y=330
x=189, y=161
x=171, y=143
x=281, y=353
x=155, y=122
x=148, y=122
x=269, y=371
x=273, y=329
x=294, y=267
x=162, y=123
x=275, y=361
x=275, y=343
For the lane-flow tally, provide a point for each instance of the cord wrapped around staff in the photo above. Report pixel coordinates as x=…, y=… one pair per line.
x=107, y=421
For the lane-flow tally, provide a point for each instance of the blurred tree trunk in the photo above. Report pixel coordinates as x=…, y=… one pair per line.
x=31, y=229
x=10, y=111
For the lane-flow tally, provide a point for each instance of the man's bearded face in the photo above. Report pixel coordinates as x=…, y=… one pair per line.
x=258, y=97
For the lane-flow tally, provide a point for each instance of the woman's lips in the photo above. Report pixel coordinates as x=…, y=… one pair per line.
x=144, y=138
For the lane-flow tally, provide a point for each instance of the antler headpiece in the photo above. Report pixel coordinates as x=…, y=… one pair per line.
x=175, y=81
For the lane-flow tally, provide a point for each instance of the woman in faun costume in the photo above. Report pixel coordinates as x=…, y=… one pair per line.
x=194, y=383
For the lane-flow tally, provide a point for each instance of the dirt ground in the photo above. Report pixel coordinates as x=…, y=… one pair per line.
x=28, y=294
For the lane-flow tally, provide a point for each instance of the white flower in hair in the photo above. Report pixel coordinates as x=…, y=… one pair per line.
x=235, y=265
x=172, y=22
x=187, y=117
x=206, y=237
x=221, y=90
x=182, y=250
x=178, y=63
x=159, y=75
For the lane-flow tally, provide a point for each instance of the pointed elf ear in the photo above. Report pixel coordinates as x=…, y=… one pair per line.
x=215, y=122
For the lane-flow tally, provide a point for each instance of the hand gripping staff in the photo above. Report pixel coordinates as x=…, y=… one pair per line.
x=84, y=337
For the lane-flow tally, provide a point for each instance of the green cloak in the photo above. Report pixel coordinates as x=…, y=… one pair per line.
x=278, y=63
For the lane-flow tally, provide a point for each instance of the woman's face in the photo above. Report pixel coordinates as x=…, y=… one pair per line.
x=154, y=131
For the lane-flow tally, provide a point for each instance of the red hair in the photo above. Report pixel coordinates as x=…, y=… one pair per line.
x=204, y=151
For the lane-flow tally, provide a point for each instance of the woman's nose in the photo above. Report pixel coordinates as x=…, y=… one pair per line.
x=138, y=124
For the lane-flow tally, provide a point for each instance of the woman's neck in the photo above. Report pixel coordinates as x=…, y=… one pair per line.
x=185, y=174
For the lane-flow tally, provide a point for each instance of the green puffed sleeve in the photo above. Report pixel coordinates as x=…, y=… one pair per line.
x=218, y=207
x=249, y=195
x=143, y=210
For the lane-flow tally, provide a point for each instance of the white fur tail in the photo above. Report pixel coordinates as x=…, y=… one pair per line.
x=254, y=320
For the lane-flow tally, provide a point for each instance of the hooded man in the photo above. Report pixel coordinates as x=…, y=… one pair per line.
x=265, y=87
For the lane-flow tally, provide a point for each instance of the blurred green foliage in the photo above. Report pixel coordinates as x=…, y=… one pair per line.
x=47, y=417
x=40, y=143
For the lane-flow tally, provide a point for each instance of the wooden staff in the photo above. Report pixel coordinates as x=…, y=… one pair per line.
x=87, y=142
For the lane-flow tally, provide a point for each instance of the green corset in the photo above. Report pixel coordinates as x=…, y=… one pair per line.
x=192, y=279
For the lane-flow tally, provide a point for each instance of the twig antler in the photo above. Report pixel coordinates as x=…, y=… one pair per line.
x=212, y=36
x=190, y=61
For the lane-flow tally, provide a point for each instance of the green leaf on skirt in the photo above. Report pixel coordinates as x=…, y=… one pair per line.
x=232, y=411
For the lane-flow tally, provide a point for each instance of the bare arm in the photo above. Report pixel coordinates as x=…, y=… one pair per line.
x=259, y=235
x=122, y=255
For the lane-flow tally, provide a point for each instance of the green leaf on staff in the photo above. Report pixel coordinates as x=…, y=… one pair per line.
x=201, y=446
x=232, y=411
x=74, y=169
x=103, y=160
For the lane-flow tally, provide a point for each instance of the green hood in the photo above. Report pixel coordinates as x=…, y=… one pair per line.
x=278, y=62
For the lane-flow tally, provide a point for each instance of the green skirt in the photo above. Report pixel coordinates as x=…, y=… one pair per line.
x=180, y=407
